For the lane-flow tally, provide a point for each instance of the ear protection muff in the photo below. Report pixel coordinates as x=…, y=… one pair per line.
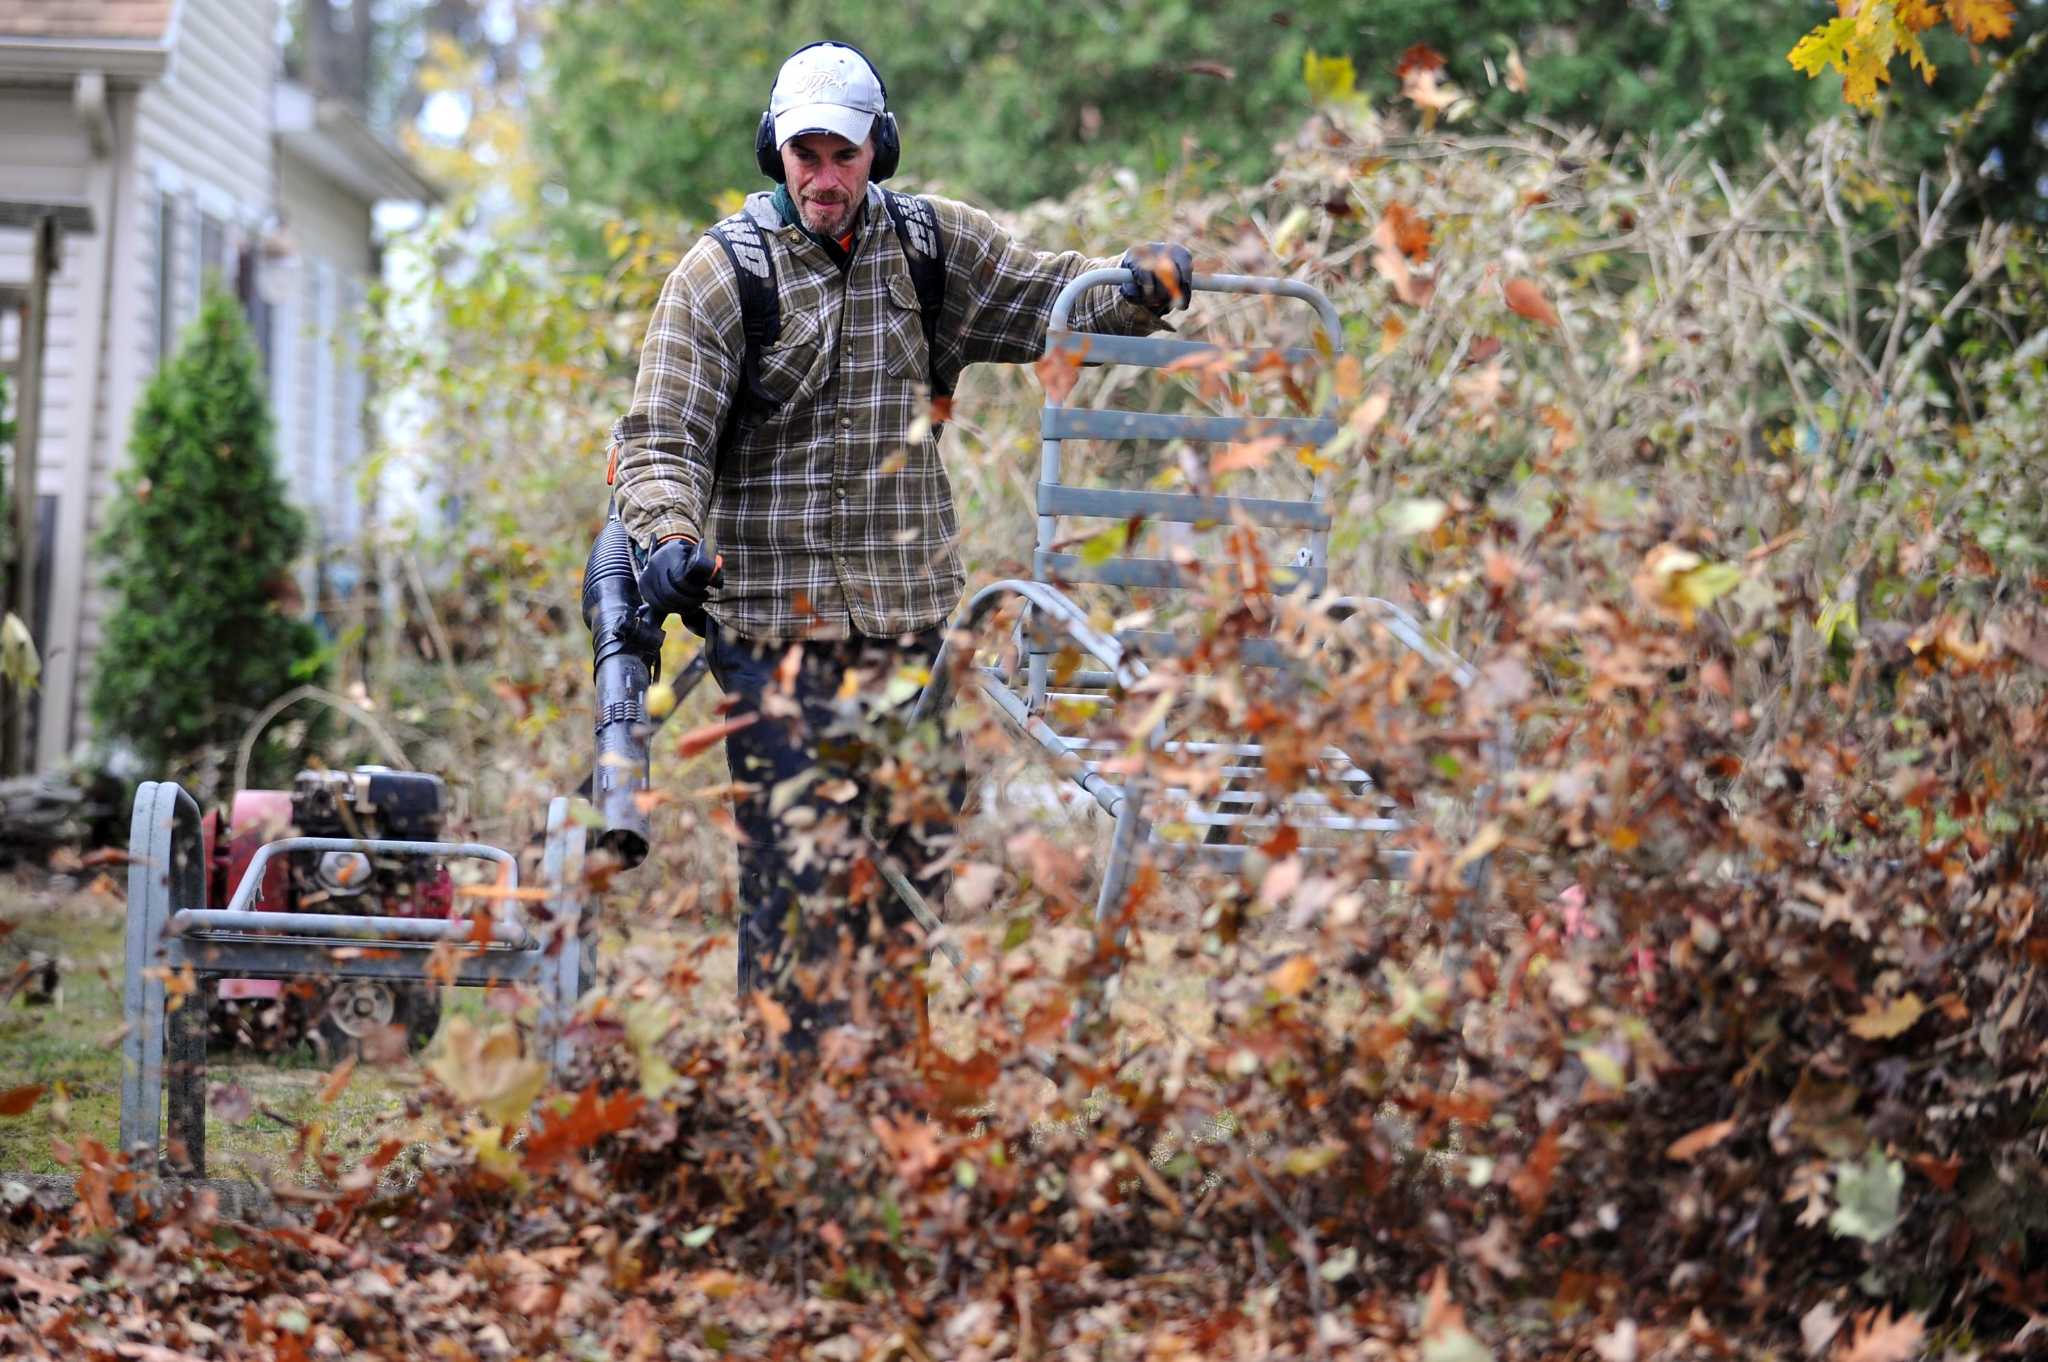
x=888, y=145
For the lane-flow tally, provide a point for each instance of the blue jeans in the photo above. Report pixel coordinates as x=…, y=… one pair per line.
x=825, y=791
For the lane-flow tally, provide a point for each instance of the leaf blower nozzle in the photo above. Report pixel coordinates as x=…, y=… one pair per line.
x=625, y=649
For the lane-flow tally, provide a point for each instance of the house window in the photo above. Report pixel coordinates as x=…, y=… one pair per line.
x=257, y=309
x=213, y=252
x=166, y=275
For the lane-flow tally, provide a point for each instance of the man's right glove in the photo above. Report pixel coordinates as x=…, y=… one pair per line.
x=678, y=578
x=1162, y=276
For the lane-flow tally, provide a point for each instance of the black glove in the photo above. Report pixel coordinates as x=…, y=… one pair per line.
x=679, y=577
x=1162, y=276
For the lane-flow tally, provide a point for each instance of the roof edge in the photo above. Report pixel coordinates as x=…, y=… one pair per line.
x=125, y=61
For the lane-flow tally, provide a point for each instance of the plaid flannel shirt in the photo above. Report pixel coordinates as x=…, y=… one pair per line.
x=832, y=520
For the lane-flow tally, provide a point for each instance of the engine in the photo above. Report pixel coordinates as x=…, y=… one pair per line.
x=368, y=802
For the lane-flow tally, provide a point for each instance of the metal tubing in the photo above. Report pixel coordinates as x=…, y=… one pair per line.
x=1106, y=423
x=1180, y=507
x=1160, y=352
x=561, y=978
x=1063, y=306
x=295, y=957
x=252, y=878
x=352, y=927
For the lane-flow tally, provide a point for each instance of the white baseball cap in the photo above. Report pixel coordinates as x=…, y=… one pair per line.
x=825, y=88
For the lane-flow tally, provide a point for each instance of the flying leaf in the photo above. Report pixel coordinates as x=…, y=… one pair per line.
x=1525, y=299
x=1686, y=1148
x=485, y=1069
x=1292, y=976
x=1867, y=1197
x=1408, y=231
x=697, y=739
x=1058, y=372
x=1416, y=515
x=1877, y=1337
x=17, y=1101
x=1330, y=80
x=1893, y=1019
x=773, y=1015
x=19, y=664
x=337, y=1080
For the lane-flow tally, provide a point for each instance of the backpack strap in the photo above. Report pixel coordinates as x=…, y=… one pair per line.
x=917, y=228
x=753, y=268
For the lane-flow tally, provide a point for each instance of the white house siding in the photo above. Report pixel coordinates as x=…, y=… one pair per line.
x=198, y=137
x=43, y=158
x=320, y=407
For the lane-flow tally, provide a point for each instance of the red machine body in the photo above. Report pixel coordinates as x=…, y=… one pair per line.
x=364, y=803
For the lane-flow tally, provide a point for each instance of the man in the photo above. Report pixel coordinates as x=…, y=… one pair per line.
x=779, y=469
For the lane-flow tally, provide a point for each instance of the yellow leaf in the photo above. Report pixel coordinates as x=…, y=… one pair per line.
x=1823, y=48
x=1895, y=1018
x=1330, y=79
x=1866, y=71
x=1703, y=584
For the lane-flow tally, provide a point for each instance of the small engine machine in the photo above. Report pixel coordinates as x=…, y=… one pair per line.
x=347, y=1016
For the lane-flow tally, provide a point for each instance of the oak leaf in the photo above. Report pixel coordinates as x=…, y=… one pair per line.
x=1981, y=20
x=1893, y=1019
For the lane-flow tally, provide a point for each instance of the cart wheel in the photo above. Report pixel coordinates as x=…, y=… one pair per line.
x=359, y=1014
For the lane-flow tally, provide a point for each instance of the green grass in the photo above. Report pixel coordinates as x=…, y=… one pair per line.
x=70, y=1045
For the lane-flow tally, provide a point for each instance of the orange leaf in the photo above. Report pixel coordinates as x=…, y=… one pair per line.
x=582, y=1126
x=337, y=1080
x=17, y=1101
x=1877, y=1337
x=1408, y=230
x=1059, y=372
x=697, y=739
x=1686, y=1148
x=773, y=1015
x=1420, y=57
x=1525, y=299
x=1980, y=20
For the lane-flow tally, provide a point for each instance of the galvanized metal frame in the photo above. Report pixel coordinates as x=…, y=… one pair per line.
x=1050, y=621
x=171, y=930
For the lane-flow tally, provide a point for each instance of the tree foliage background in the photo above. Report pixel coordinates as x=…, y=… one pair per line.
x=650, y=106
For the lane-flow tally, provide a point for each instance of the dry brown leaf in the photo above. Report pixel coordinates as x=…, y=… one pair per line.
x=1893, y=1019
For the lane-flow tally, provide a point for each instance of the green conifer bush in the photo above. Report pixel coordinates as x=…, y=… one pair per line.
x=198, y=551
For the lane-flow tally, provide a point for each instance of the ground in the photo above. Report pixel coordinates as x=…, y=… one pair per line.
x=67, y=1040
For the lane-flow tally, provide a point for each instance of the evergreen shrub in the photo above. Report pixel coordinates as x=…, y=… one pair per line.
x=198, y=551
